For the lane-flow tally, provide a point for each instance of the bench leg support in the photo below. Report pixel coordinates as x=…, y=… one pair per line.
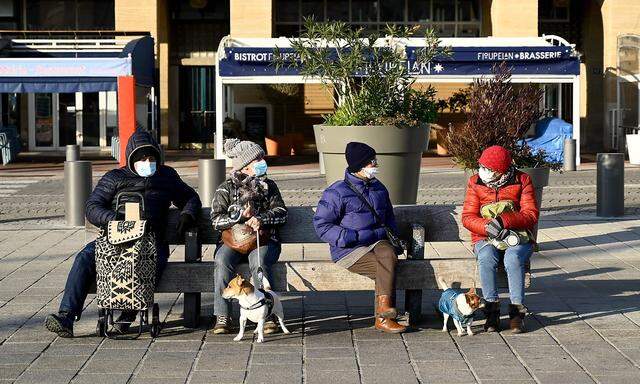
x=413, y=297
x=192, y=254
x=413, y=305
x=191, y=312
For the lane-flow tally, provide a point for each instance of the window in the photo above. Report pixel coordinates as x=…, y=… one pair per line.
x=9, y=14
x=553, y=10
x=449, y=17
x=70, y=15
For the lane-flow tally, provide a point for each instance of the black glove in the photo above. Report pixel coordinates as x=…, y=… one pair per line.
x=493, y=228
x=185, y=223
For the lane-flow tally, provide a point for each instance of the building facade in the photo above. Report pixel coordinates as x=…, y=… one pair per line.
x=187, y=34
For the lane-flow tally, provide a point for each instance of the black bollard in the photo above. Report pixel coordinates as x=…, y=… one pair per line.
x=610, y=184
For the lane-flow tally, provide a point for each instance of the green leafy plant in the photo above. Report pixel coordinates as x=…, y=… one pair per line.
x=499, y=113
x=369, y=78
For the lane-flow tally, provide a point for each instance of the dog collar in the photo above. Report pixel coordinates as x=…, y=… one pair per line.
x=255, y=305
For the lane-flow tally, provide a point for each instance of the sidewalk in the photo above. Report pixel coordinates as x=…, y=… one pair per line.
x=584, y=327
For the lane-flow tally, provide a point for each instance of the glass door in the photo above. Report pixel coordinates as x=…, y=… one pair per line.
x=197, y=104
x=90, y=132
x=67, y=119
x=43, y=127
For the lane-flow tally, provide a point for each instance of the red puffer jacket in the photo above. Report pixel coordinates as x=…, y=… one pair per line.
x=520, y=191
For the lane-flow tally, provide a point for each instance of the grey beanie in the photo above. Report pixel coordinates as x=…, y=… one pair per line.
x=242, y=153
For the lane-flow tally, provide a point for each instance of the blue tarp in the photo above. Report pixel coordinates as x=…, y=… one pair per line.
x=464, y=61
x=550, y=135
x=40, y=72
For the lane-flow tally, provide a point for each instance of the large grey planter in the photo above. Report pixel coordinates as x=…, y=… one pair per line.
x=399, y=151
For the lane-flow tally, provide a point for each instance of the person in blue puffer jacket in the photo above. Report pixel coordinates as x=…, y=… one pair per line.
x=358, y=242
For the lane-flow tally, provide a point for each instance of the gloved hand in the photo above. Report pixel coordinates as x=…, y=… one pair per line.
x=493, y=228
x=185, y=223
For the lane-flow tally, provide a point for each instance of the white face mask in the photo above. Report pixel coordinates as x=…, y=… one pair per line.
x=487, y=175
x=370, y=172
x=145, y=168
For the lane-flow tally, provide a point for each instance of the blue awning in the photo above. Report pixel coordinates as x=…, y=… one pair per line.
x=84, y=70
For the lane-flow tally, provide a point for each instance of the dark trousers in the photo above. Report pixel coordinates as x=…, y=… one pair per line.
x=83, y=275
x=226, y=261
x=379, y=265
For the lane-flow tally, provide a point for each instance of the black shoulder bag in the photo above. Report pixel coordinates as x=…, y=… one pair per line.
x=398, y=245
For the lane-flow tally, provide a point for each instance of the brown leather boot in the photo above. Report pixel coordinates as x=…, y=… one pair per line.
x=517, y=313
x=384, y=307
x=389, y=325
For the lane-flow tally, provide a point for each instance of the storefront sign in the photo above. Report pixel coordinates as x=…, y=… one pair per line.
x=556, y=60
x=65, y=67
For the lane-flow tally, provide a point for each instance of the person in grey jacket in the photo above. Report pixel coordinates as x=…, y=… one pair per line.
x=262, y=208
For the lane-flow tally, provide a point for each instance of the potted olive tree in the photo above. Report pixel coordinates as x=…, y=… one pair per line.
x=370, y=82
x=501, y=113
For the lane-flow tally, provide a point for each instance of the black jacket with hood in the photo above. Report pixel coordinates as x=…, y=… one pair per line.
x=160, y=190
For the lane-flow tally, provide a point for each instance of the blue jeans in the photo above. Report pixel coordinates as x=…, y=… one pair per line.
x=226, y=261
x=83, y=275
x=514, y=258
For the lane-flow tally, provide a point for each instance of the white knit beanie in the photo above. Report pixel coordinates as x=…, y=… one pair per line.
x=242, y=153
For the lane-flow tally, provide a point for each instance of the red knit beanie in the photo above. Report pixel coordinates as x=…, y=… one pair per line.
x=496, y=158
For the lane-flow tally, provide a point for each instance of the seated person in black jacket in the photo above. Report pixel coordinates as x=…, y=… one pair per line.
x=161, y=186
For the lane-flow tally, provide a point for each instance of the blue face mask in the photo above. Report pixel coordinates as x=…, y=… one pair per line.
x=145, y=168
x=260, y=168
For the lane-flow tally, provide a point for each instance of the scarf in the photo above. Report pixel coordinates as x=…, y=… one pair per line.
x=249, y=189
x=496, y=180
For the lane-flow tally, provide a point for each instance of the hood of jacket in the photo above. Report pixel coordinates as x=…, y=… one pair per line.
x=137, y=141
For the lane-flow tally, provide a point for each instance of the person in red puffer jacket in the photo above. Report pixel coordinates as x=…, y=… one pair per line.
x=501, y=213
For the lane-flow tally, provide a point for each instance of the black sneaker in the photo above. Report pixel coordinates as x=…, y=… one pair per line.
x=223, y=325
x=123, y=322
x=60, y=324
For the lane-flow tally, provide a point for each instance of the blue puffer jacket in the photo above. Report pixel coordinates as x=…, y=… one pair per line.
x=160, y=190
x=345, y=222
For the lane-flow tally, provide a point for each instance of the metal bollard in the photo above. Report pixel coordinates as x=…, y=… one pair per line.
x=569, y=155
x=610, y=184
x=73, y=152
x=77, y=187
x=211, y=173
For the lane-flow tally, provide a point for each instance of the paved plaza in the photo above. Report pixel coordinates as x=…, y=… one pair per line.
x=584, y=325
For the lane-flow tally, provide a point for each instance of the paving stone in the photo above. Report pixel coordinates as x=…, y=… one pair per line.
x=487, y=372
x=342, y=377
x=99, y=378
x=266, y=374
x=340, y=364
x=22, y=347
x=175, y=346
x=102, y=366
x=441, y=374
x=563, y=377
x=11, y=371
x=55, y=362
x=17, y=358
x=72, y=349
x=276, y=358
x=49, y=377
x=620, y=378
x=218, y=377
x=318, y=353
x=391, y=373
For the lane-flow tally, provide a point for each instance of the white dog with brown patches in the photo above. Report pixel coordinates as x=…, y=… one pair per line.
x=255, y=305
